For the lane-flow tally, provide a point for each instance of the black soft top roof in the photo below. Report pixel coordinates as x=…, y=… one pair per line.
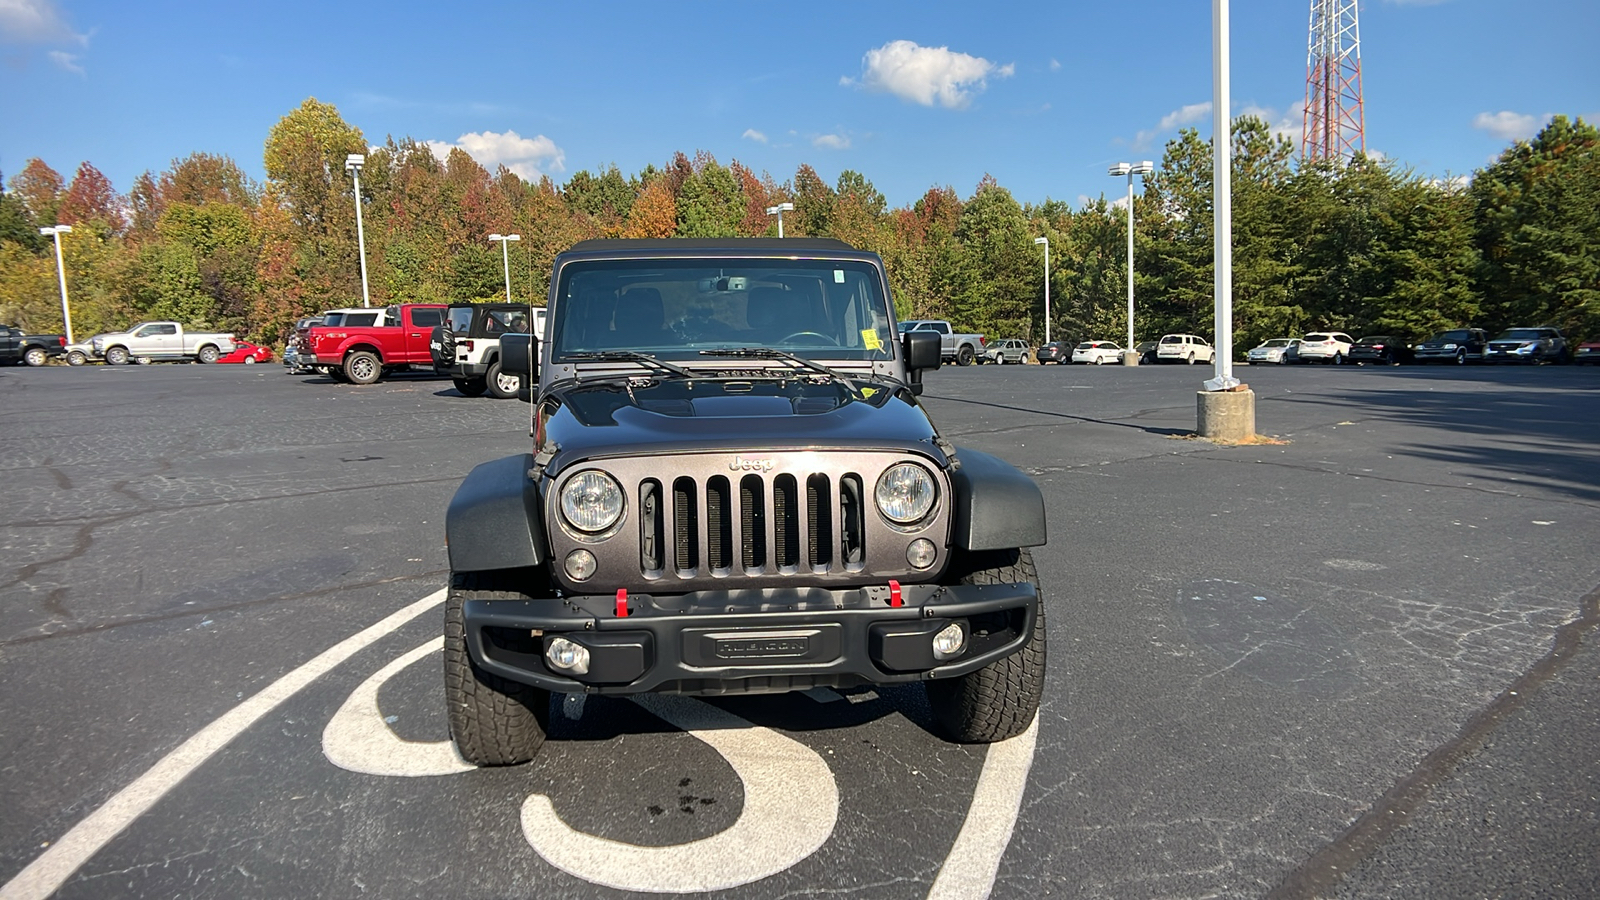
x=831, y=245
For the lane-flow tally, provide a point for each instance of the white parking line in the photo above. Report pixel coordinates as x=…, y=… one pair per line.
x=969, y=871
x=50, y=871
x=358, y=740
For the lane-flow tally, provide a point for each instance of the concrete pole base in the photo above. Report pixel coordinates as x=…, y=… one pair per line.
x=1130, y=357
x=1226, y=415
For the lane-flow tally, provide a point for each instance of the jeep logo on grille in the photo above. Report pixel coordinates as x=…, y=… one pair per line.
x=749, y=464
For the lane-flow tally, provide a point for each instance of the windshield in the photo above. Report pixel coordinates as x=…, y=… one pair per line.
x=1379, y=339
x=1453, y=336
x=1277, y=342
x=675, y=309
x=1521, y=334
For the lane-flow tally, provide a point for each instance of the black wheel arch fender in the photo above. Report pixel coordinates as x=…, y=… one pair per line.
x=997, y=506
x=494, y=520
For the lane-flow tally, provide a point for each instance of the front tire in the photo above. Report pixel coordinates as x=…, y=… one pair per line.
x=1000, y=700
x=77, y=358
x=116, y=356
x=362, y=367
x=1461, y=357
x=494, y=722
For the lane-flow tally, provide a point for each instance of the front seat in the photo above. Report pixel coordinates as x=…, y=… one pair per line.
x=640, y=318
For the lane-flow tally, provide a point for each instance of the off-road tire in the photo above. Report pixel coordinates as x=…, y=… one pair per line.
x=965, y=355
x=1000, y=700
x=363, y=367
x=117, y=356
x=492, y=380
x=208, y=354
x=494, y=722
x=471, y=387
x=35, y=356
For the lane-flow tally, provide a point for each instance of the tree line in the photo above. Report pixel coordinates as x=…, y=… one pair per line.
x=1365, y=247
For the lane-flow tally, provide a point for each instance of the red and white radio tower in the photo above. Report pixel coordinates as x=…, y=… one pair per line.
x=1335, y=120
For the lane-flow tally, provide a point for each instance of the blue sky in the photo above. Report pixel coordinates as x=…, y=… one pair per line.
x=914, y=95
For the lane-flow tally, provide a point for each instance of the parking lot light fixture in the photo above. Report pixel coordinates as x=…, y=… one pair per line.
x=505, y=256
x=352, y=164
x=1046, y=242
x=778, y=211
x=57, y=231
x=1128, y=170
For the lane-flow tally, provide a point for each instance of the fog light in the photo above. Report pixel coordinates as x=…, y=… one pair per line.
x=580, y=565
x=921, y=553
x=567, y=656
x=949, y=641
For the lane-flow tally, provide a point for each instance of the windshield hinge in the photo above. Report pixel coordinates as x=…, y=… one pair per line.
x=949, y=451
x=542, y=459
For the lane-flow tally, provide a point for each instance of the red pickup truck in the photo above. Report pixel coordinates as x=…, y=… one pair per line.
x=361, y=354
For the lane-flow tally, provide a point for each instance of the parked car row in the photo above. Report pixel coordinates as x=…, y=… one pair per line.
x=1457, y=345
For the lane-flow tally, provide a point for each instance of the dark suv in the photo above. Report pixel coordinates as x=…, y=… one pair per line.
x=734, y=489
x=1458, y=345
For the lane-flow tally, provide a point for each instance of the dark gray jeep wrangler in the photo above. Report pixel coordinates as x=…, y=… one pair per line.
x=734, y=490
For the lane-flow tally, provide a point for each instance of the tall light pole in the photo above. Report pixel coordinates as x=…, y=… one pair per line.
x=778, y=211
x=505, y=256
x=353, y=164
x=1221, y=199
x=1046, y=242
x=57, y=231
x=1144, y=167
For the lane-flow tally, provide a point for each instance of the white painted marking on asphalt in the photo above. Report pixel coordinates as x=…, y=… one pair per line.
x=791, y=804
x=969, y=871
x=46, y=874
x=359, y=739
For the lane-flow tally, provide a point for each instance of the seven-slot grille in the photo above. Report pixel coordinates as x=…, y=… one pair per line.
x=718, y=520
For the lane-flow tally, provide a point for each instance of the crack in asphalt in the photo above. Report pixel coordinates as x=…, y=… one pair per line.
x=1319, y=874
x=224, y=607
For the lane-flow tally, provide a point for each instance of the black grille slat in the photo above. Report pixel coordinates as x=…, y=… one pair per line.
x=786, y=522
x=685, y=526
x=819, y=524
x=852, y=522
x=650, y=526
x=752, y=523
x=719, y=524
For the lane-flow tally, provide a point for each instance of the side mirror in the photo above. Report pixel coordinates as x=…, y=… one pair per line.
x=921, y=349
x=517, y=354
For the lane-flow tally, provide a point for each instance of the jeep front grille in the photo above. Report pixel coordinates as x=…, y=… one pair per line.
x=712, y=522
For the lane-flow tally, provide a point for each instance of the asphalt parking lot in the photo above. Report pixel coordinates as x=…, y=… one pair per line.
x=1359, y=662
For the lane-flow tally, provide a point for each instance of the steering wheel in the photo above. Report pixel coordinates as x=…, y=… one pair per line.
x=814, y=334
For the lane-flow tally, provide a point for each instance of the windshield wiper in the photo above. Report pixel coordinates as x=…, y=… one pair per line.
x=643, y=359
x=800, y=361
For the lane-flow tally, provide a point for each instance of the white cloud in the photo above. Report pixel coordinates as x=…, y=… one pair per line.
x=67, y=61
x=927, y=75
x=1289, y=125
x=1453, y=183
x=1055, y=65
x=754, y=135
x=1416, y=2
x=831, y=142
x=35, y=22
x=1187, y=115
x=527, y=157
x=1509, y=126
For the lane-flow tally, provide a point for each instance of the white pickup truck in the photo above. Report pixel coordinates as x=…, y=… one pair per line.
x=161, y=341
x=962, y=349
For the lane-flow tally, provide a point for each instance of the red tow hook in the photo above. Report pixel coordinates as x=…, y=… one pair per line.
x=622, y=603
x=894, y=594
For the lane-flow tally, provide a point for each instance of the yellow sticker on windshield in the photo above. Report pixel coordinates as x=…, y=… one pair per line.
x=869, y=338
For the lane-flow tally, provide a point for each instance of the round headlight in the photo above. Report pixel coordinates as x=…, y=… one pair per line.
x=591, y=501
x=905, y=493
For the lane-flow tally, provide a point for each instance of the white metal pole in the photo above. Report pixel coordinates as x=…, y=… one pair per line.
x=361, y=239
x=61, y=275
x=1047, y=292
x=780, y=223
x=1222, y=199
x=505, y=259
x=1130, y=261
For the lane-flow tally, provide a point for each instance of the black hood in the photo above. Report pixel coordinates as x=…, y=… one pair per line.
x=618, y=418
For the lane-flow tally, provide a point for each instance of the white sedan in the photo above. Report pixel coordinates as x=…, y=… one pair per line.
x=1271, y=351
x=1097, y=352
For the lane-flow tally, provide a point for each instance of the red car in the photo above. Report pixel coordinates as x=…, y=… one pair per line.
x=247, y=353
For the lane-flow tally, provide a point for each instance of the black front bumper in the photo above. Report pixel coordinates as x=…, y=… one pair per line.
x=750, y=641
